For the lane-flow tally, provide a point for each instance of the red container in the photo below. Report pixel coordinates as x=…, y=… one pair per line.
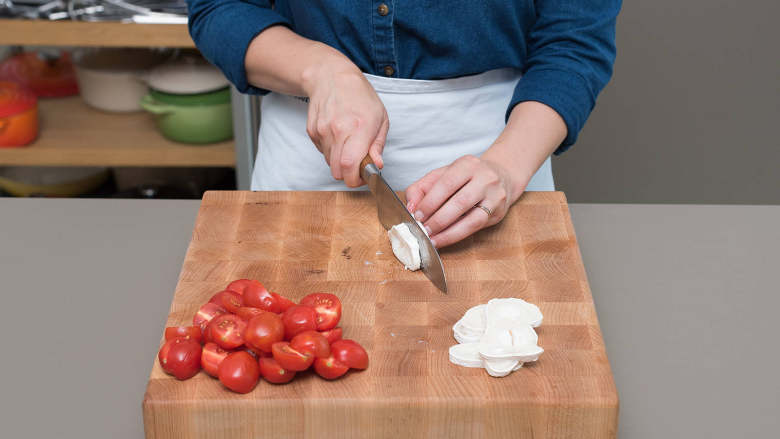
x=47, y=78
x=18, y=115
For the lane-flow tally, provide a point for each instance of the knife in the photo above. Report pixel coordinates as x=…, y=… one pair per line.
x=392, y=211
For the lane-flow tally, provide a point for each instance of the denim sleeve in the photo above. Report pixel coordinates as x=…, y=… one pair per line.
x=223, y=29
x=571, y=49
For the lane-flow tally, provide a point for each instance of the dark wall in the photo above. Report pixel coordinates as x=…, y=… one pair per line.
x=692, y=114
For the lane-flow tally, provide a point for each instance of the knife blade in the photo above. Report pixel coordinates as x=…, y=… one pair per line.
x=391, y=211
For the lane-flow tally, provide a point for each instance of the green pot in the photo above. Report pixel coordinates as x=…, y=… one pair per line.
x=197, y=118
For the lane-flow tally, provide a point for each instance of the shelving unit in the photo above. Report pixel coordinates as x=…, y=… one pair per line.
x=99, y=34
x=73, y=134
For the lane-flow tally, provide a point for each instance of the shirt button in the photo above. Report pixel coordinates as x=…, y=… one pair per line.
x=389, y=70
x=383, y=9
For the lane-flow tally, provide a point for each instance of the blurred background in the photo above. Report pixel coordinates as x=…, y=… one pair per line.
x=691, y=113
x=118, y=111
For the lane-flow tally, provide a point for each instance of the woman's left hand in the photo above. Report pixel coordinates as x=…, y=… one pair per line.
x=446, y=199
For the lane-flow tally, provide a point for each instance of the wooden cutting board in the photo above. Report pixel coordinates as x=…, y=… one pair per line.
x=301, y=242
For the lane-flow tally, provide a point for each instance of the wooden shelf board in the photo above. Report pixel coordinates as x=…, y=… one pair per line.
x=73, y=134
x=102, y=34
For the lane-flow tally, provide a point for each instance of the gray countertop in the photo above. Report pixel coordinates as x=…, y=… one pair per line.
x=687, y=297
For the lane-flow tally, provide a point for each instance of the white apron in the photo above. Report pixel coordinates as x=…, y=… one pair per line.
x=432, y=123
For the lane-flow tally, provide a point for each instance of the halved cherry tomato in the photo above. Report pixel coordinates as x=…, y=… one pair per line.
x=230, y=300
x=239, y=285
x=227, y=330
x=332, y=334
x=239, y=372
x=255, y=352
x=192, y=332
x=273, y=372
x=257, y=296
x=247, y=312
x=328, y=308
x=207, y=312
x=329, y=368
x=282, y=303
x=350, y=353
x=207, y=332
x=180, y=357
x=297, y=319
x=264, y=330
x=291, y=359
x=210, y=358
x=312, y=342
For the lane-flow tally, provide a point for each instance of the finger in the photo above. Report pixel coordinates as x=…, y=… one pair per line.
x=326, y=141
x=475, y=220
x=335, y=159
x=455, y=177
x=378, y=145
x=417, y=190
x=455, y=207
x=353, y=152
x=311, y=129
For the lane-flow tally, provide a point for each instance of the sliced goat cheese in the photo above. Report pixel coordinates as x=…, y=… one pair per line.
x=498, y=335
x=511, y=311
x=500, y=368
x=465, y=338
x=405, y=246
x=475, y=318
x=466, y=355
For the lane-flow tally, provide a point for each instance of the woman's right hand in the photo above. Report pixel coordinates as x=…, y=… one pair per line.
x=346, y=118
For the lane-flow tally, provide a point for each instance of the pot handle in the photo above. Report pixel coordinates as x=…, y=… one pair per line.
x=3, y=124
x=151, y=105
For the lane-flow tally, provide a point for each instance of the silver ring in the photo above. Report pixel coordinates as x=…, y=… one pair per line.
x=487, y=211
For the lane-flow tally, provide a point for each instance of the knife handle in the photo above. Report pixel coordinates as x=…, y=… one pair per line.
x=367, y=168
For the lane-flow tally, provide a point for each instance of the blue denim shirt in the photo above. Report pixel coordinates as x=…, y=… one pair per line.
x=565, y=48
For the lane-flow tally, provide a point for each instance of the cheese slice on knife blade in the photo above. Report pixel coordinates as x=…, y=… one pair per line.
x=405, y=246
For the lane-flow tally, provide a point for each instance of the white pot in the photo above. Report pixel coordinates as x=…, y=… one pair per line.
x=187, y=74
x=112, y=79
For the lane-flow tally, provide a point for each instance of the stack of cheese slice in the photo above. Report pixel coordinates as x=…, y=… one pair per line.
x=498, y=336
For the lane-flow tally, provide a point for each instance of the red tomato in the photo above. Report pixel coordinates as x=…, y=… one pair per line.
x=207, y=332
x=350, y=353
x=239, y=285
x=239, y=372
x=282, y=303
x=297, y=319
x=227, y=330
x=329, y=368
x=207, y=312
x=264, y=330
x=192, y=332
x=290, y=358
x=328, y=309
x=180, y=357
x=273, y=372
x=255, y=353
x=230, y=300
x=332, y=334
x=256, y=296
x=247, y=312
x=211, y=357
x=312, y=342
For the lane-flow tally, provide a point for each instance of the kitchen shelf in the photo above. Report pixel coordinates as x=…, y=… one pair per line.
x=73, y=134
x=94, y=34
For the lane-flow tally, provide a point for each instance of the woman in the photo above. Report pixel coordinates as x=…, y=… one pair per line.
x=478, y=94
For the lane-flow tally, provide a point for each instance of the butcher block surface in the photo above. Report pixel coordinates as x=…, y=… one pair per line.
x=302, y=242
